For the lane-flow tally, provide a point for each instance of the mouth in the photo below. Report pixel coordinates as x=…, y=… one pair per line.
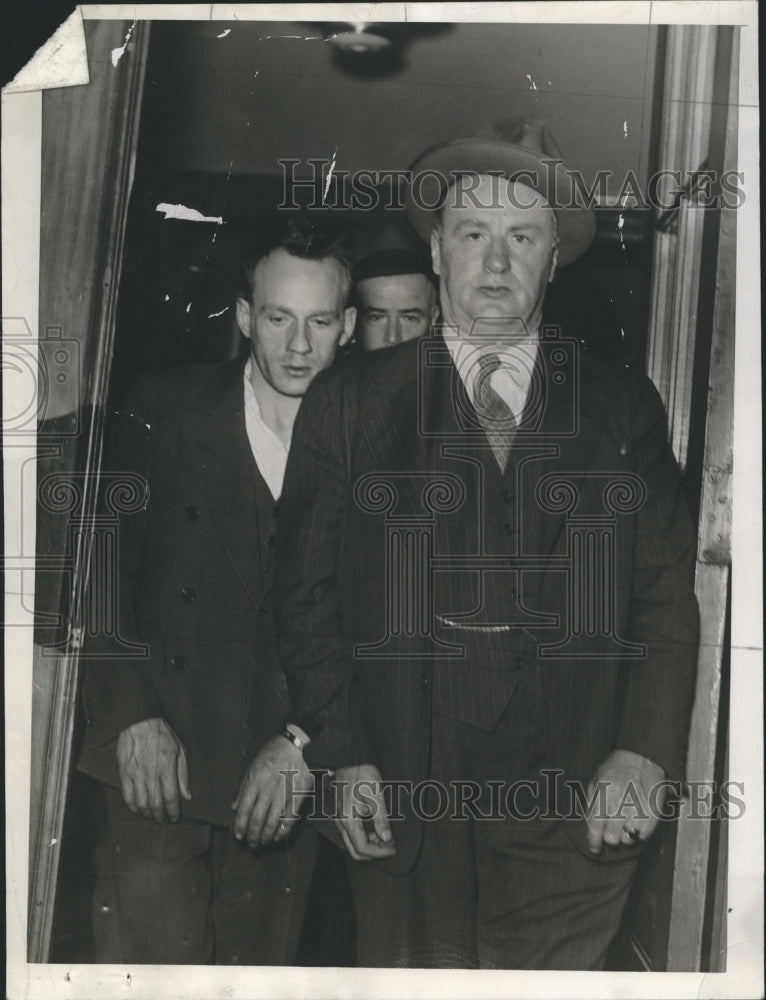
x=495, y=291
x=297, y=371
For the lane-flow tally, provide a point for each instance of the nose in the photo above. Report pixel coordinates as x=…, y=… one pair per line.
x=497, y=259
x=392, y=333
x=299, y=342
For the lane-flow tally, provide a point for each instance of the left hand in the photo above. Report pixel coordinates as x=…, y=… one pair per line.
x=262, y=810
x=623, y=771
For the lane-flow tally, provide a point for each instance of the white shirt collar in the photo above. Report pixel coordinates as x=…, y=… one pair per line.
x=511, y=381
x=269, y=452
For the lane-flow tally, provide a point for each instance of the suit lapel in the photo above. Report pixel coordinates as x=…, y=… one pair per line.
x=217, y=425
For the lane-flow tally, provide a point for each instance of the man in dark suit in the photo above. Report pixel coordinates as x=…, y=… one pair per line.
x=193, y=864
x=484, y=593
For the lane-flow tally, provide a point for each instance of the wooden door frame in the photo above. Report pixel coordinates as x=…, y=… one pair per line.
x=93, y=130
x=690, y=358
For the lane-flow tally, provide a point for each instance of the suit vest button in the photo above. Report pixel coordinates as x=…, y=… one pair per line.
x=192, y=512
x=178, y=662
x=506, y=496
x=424, y=682
x=188, y=595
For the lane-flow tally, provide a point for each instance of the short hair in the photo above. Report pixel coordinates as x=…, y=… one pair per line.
x=299, y=236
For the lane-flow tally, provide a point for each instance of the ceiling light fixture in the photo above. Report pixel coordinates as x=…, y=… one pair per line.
x=359, y=40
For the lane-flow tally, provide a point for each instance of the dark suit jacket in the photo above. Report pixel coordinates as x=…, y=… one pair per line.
x=369, y=438
x=195, y=588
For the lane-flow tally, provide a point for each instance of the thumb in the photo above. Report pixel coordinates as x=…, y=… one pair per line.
x=183, y=775
x=380, y=823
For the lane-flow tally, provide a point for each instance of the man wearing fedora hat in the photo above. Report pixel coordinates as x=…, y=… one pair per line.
x=485, y=593
x=394, y=291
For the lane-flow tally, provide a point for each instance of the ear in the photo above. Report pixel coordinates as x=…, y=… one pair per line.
x=436, y=250
x=243, y=316
x=434, y=313
x=554, y=262
x=349, y=322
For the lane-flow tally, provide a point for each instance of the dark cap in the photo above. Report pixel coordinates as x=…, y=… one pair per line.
x=391, y=247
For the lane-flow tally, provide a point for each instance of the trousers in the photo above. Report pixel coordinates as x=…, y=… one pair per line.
x=494, y=893
x=188, y=893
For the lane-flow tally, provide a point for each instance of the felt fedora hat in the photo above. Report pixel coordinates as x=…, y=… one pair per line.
x=522, y=149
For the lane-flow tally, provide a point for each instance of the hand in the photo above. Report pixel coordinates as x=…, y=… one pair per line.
x=262, y=809
x=360, y=805
x=153, y=770
x=629, y=779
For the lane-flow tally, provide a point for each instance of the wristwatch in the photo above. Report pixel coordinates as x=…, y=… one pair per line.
x=299, y=739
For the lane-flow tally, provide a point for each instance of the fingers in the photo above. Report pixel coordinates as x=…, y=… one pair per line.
x=612, y=832
x=183, y=775
x=153, y=770
x=128, y=792
x=258, y=817
x=277, y=825
x=380, y=823
x=595, y=833
x=141, y=797
x=243, y=804
x=348, y=843
x=361, y=845
x=167, y=799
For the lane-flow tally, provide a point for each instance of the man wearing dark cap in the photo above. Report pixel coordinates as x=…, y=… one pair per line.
x=485, y=596
x=394, y=289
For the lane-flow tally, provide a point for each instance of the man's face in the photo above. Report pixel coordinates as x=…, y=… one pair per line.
x=494, y=262
x=393, y=309
x=297, y=319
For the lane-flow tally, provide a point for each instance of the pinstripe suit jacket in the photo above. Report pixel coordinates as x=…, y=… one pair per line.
x=392, y=502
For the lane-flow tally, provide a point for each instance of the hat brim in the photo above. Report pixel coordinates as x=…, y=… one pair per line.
x=442, y=164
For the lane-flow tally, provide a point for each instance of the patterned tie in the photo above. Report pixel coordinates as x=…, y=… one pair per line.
x=494, y=414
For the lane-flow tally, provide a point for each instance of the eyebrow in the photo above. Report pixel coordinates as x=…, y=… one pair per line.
x=382, y=309
x=477, y=223
x=275, y=307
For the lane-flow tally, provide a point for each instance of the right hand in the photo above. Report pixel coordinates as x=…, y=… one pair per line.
x=154, y=774
x=362, y=817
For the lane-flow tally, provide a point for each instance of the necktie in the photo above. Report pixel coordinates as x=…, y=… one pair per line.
x=494, y=414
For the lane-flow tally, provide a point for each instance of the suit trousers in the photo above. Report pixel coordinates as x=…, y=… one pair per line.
x=188, y=893
x=495, y=893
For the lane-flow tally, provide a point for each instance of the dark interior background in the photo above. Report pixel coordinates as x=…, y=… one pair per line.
x=223, y=102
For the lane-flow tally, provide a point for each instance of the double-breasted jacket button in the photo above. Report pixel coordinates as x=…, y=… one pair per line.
x=271, y=541
x=178, y=662
x=425, y=682
x=188, y=595
x=508, y=528
x=506, y=496
x=192, y=512
x=519, y=663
